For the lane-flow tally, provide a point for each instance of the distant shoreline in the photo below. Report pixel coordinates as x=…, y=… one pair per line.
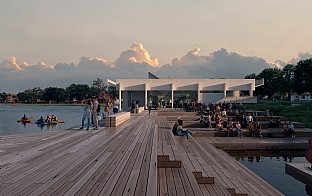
x=43, y=104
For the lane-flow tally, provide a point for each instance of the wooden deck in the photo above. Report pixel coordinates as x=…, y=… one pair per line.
x=123, y=160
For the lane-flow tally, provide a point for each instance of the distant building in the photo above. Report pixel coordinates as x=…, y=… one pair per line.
x=201, y=90
x=12, y=98
x=303, y=97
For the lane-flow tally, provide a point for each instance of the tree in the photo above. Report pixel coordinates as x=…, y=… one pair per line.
x=54, y=94
x=303, y=76
x=30, y=95
x=288, y=79
x=272, y=81
x=78, y=91
x=98, y=86
x=3, y=96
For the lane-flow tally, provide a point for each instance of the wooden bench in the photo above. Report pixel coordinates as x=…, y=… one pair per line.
x=138, y=110
x=116, y=119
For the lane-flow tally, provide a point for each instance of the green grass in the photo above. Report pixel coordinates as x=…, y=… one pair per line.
x=294, y=111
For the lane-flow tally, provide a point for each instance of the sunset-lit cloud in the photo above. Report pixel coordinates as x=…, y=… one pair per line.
x=10, y=64
x=137, y=54
x=134, y=62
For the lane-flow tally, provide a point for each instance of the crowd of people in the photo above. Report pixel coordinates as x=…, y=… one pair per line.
x=92, y=109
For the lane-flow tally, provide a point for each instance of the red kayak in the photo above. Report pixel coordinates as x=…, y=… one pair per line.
x=25, y=121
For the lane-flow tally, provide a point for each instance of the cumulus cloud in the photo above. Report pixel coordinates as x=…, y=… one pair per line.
x=218, y=64
x=134, y=62
x=137, y=54
x=295, y=60
x=10, y=64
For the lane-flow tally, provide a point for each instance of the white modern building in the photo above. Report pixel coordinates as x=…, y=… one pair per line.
x=166, y=92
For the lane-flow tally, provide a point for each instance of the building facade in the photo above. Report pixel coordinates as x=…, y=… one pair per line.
x=165, y=92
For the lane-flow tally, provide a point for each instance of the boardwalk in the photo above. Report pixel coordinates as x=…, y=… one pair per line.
x=122, y=161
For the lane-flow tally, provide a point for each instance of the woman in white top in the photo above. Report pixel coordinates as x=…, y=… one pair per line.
x=87, y=111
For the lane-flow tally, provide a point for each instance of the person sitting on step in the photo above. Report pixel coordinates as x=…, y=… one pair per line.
x=258, y=130
x=184, y=132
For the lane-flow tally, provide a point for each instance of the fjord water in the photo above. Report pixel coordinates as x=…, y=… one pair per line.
x=10, y=113
x=270, y=166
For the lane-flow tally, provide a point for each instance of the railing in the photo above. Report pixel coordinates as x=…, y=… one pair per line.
x=238, y=100
x=259, y=82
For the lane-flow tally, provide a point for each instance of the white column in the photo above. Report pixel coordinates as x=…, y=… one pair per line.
x=119, y=96
x=172, y=101
x=145, y=89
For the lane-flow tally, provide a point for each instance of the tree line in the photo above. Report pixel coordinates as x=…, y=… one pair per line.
x=77, y=92
x=283, y=82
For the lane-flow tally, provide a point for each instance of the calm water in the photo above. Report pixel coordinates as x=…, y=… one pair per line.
x=270, y=166
x=9, y=114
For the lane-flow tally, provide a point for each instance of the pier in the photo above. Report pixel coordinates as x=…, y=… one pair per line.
x=138, y=157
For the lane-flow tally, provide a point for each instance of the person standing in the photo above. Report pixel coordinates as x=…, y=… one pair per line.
x=95, y=105
x=149, y=105
x=87, y=110
x=115, y=105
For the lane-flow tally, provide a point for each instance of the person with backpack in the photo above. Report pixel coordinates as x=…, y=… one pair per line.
x=182, y=132
x=95, y=106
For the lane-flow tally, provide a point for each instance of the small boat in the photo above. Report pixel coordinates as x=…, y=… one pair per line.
x=41, y=123
x=25, y=121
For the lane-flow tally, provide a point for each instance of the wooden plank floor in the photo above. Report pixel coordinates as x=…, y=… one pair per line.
x=109, y=161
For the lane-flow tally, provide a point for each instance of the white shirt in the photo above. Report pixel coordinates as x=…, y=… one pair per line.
x=116, y=104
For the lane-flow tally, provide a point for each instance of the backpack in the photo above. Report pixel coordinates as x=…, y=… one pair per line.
x=174, y=130
x=98, y=109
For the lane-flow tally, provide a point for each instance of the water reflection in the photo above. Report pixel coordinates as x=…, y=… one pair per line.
x=270, y=165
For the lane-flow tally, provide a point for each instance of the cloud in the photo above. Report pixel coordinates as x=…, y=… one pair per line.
x=300, y=56
x=10, y=65
x=218, y=64
x=137, y=54
x=134, y=62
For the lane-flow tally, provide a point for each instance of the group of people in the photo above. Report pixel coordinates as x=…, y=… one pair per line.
x=48, y=119
x=91, y=111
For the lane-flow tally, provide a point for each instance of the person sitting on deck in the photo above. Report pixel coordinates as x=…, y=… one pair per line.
x=291, y=129
x=230, y=129
x=285, y=128
x=202, y=119
x=238, y=129
x=278, y=122
x=175, y=126
x=48, y=119
x=184, y=132
x=258, y=130
x=251, y=128
x=223, y=113
x=219, y=126
x=249, y=118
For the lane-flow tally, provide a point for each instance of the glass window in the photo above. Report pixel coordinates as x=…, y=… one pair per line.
x=160, y=98
x=229, y=94
x=185, y=96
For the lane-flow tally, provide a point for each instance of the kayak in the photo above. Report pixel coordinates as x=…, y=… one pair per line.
x=53, y=122
x=24, y=121
x=41, y=123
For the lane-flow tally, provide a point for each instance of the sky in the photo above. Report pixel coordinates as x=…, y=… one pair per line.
x=60, y=42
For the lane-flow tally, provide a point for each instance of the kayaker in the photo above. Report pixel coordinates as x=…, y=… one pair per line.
x=48, y=119
x=53, y=118
x=24, y=118
x=41, y=120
